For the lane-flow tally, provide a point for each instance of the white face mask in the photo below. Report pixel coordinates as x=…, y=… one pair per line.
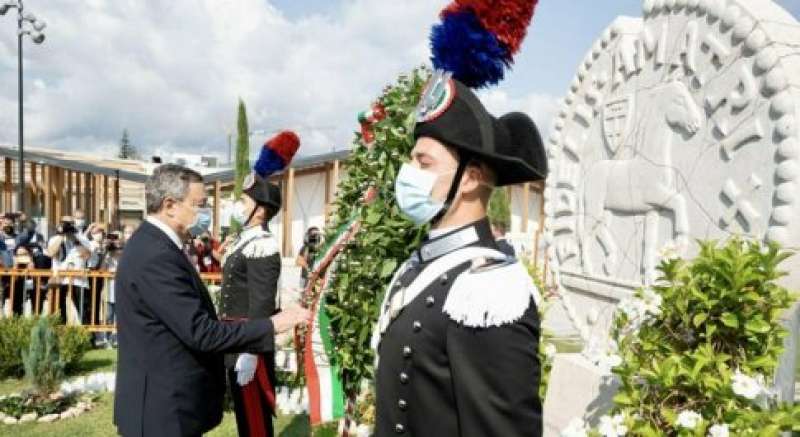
x=240, y=213
x=413, y=188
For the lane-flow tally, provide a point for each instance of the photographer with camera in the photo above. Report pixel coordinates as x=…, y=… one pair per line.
x=311, y=244
x=30, y=238
x=8, y=234
x=69, y=250
x=204, y=247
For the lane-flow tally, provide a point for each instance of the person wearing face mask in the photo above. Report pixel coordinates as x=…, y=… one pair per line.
x=80, y=220
x=251, y=268
x=170, y=371
x=33, y=240
x=66, y=249
x=457, y=337
x=97, y=261
x=23, y=285
x=9, y=235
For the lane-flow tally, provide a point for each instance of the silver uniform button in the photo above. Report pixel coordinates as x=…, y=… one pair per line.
x=399, y=428
x=403, y=378
x=443, y=279
x=406, y=351
x=417, y=326
x=402, y=404
x=430, y=301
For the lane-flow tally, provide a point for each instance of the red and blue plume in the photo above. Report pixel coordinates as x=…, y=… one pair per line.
x=277, y=153
x=477, y=39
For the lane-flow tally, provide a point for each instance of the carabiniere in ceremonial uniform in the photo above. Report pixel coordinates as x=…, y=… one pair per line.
x=458, y=334
x=251, y=269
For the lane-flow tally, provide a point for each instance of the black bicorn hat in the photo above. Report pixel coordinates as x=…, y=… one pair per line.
x=262, y=191
x=275, y=156
x=452, y=114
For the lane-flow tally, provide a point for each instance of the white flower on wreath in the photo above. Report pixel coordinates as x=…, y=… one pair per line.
x=719, y=431
x=748, y=387
x=689, y=419
x=612, y=426
x=575, y=428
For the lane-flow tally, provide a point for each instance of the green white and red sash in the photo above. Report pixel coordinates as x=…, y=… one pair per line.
x=323, y=376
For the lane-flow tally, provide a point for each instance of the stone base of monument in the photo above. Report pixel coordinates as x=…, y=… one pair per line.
x=787, y=366
x=576, y=389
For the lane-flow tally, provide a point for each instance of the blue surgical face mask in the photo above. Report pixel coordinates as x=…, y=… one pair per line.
x=202, y=221
x=413, y=188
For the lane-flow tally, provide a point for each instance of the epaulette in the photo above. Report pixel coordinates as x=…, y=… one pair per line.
x=492, y=292
x=261, y=247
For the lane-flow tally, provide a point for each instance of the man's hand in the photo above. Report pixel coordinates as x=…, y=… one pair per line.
x=289, y=318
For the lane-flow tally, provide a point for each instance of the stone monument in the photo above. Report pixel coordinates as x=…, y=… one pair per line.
x=679, y=125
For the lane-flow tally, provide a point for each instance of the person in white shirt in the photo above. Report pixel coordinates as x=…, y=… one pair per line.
x=69, y=249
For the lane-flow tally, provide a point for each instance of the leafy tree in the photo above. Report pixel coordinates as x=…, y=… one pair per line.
x=499, y=209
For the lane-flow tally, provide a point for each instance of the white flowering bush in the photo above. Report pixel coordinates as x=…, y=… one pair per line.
x=698, y=348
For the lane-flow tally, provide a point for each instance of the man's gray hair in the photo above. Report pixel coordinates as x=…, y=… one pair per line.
x=168, y=180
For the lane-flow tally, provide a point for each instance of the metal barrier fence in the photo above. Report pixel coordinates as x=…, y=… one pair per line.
x=84, y=294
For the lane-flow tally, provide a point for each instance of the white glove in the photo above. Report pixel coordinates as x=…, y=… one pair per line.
x=245, y=368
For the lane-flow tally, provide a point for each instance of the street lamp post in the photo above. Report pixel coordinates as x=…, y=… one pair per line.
x=27, y=24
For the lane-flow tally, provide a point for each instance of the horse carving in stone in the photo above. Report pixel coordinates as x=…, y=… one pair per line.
x=645, y=183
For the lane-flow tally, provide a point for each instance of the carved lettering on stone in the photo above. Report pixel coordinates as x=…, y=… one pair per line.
x=682, y=125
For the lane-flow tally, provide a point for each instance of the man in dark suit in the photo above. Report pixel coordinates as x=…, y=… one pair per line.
x=170, y=375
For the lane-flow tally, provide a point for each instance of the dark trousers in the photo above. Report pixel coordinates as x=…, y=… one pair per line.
x=239, y=408
x=80, y=296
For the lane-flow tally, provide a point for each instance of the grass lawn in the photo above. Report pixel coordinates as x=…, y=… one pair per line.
x=97, y=423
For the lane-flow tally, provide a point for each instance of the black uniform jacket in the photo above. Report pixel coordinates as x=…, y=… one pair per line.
x=438, y=377
x=250, y=273
x=170, y=374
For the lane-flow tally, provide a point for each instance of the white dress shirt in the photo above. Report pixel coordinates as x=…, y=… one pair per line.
x=167, y=230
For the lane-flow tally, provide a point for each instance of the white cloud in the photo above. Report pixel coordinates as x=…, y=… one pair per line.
x=171, y=72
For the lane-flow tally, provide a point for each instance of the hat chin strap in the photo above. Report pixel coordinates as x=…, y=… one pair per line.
x=451, y=195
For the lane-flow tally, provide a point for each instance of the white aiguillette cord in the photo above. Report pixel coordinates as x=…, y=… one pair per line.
x=434, y=270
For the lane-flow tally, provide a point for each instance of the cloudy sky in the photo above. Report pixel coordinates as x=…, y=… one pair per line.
x=171, y=71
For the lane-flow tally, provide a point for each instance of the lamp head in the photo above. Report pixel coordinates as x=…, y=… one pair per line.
x=37, y=37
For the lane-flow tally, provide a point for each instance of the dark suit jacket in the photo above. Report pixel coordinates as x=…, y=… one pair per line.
x=170, y=375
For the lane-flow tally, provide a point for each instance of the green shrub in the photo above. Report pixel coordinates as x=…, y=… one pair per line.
x=699, y=349
x=73, y=343
x=15, y=335
x=44, y=369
